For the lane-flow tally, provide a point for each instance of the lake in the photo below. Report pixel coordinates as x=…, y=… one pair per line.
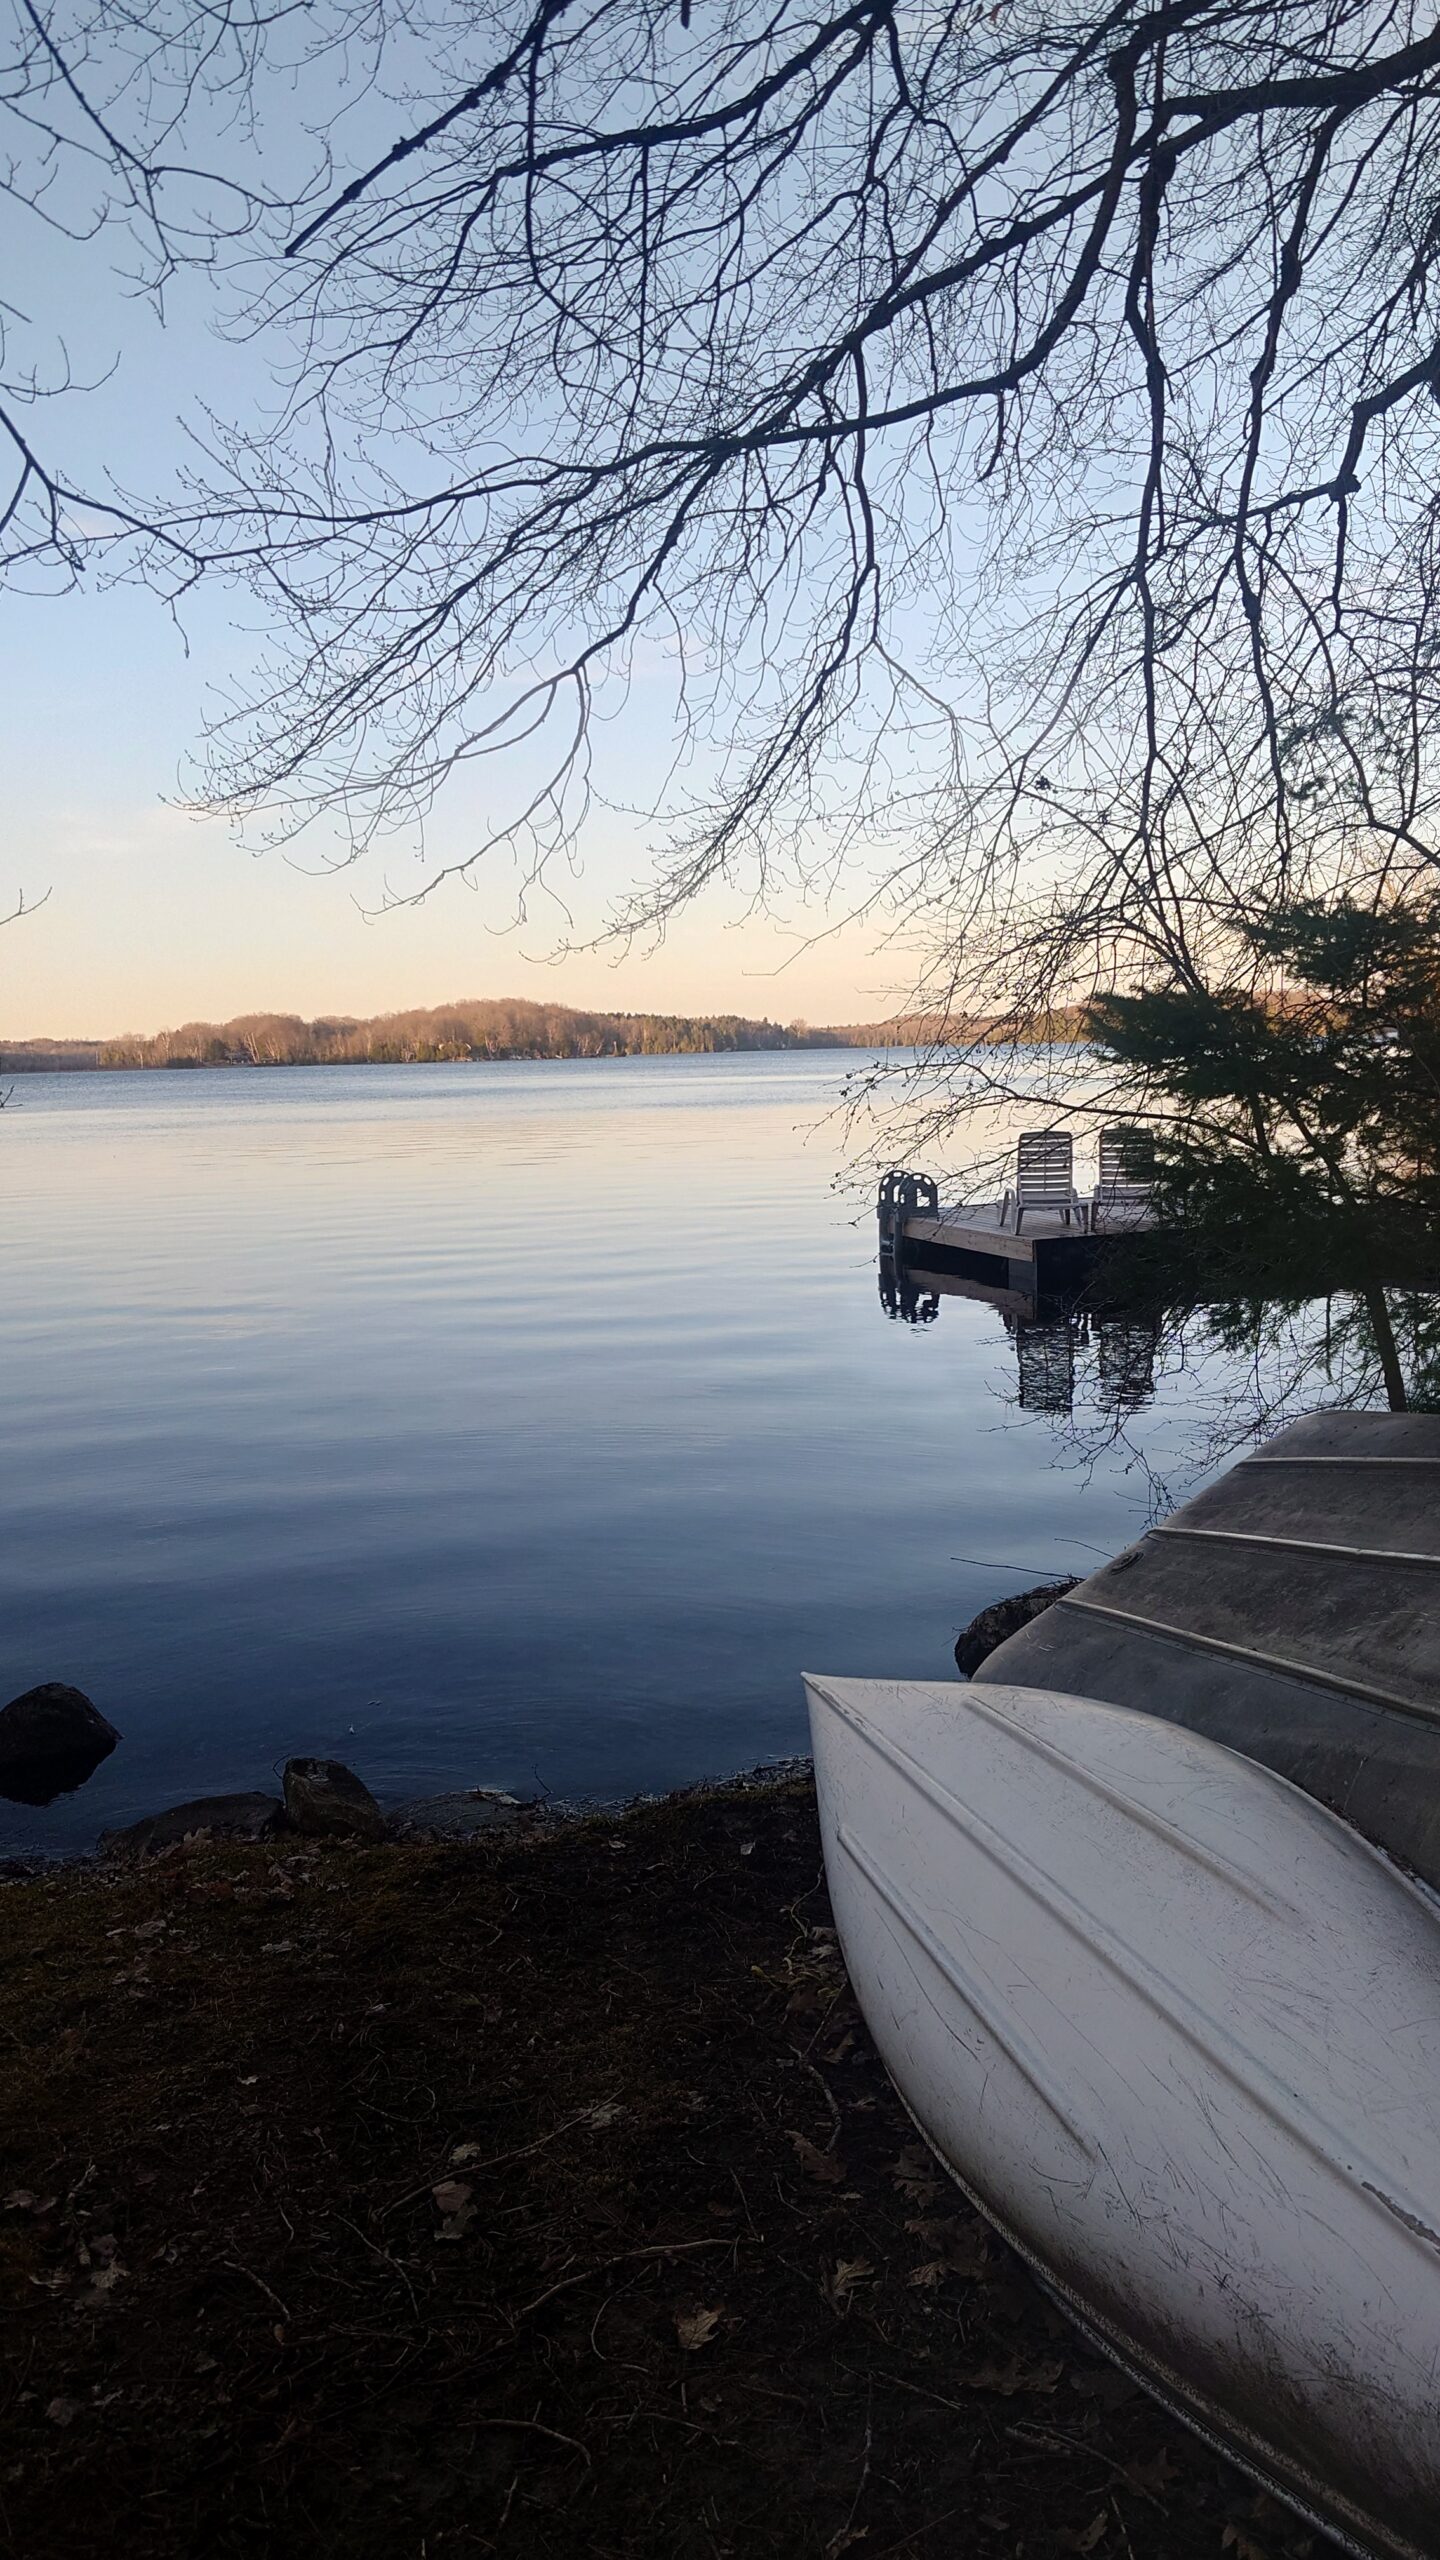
x=516, y=1425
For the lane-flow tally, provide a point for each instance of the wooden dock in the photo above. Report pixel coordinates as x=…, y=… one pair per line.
x=1047, y=1258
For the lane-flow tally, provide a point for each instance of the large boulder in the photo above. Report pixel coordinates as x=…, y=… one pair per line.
x=1005, y=1618
x=327, y=1800
x=51, y=1739
x=243, y=1817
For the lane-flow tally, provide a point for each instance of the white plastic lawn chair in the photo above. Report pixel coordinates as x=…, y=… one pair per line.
x=1044, y=1177
x=1126, y=1188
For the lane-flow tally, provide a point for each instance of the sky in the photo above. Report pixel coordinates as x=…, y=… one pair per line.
x=152, y=916
x=143, y=915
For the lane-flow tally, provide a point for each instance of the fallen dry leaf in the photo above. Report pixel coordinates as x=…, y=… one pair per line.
x=1153, y=2478
x=840, y=2281
x=696, y=2328
x=451, y=2195
x=927, y=2277
x=1085, y=2540
x=914, y=2174
x=452, y=2199
x=962, y=2246
x=816, y=2163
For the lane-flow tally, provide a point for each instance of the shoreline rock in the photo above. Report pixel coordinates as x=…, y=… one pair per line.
x=464, y=1815
x=238, y=1817
x=1006, y=1618
x=52, y=1738
x=326, y=1801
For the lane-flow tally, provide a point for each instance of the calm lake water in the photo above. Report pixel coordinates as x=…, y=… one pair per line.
x=501, y=1425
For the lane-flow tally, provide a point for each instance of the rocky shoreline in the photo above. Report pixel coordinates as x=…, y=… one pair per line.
x=53, y=1738
x=320, y=1800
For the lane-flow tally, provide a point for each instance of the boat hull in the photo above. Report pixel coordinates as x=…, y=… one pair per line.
x=1176, y=2030
x=1288, y=1611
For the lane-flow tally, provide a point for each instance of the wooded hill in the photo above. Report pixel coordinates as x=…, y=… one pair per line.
x=489, y=1028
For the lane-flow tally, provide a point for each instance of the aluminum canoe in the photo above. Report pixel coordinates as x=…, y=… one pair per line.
x=1176, y=2029
x=1290, y=1611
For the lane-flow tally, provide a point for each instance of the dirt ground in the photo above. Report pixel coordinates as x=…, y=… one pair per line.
x=541, y=2196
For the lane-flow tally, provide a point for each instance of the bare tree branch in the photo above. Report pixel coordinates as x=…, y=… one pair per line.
x=1010, y=435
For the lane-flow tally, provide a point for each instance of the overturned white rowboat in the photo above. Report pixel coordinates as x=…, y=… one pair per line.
x=1176, y=2030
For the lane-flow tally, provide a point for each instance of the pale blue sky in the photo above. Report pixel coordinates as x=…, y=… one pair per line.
x=152, y=916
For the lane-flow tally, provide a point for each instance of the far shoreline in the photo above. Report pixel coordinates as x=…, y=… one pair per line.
x=496, y=1030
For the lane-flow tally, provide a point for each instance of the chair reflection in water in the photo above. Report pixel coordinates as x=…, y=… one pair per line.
x=1045, y=1353
x=1045, y=1349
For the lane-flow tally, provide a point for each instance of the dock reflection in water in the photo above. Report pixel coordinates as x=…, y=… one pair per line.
x=905, y=1298
x=1104, y=1353
x=1113, y=1355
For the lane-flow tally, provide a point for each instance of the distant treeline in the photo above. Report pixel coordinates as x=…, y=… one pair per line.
x=46, y=1057
x=493, y=1028
x=496, y=1027
x=957, y=1031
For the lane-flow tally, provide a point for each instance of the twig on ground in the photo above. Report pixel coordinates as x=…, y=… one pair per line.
x=659, y=2249
x=828, y=2095
x=497, y=2160
x=533, y=2427
x=1030, y=2432
x=384, y=2254
x=268, y=2290
x=840, y=2541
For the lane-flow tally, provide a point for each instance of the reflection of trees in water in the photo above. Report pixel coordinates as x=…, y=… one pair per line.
x=1359, y=1347
x=1231, y=1372
x=1237, y=1371
x=1125, y=1363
